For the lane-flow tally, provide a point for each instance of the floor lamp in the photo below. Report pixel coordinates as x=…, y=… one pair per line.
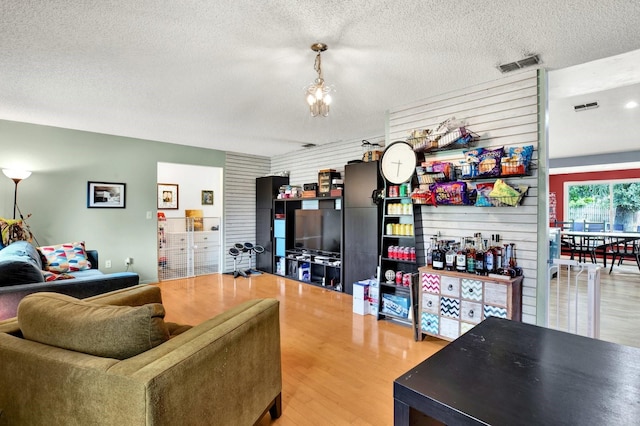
x=16, y=176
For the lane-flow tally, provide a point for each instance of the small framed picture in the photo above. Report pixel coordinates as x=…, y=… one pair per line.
x=168, y=196
x=207, y=198
x=106, y=195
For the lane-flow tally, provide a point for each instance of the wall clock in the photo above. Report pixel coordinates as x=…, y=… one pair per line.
x=398, y=162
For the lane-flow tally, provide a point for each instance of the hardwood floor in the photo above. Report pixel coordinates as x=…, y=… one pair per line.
x=338, y=367
x=619, y=302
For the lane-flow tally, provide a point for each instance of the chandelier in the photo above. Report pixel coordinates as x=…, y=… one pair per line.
x=318, y=96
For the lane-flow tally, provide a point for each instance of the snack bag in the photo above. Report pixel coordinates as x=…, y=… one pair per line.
x=450, y=193
x=470, y=163
x=482, y=194
x=489, y=165
x=518, y=161
x=503, y=193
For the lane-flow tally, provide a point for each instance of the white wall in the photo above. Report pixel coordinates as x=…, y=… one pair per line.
x=503, y=112
x=191, y=180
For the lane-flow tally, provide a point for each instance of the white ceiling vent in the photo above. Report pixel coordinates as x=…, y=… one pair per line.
x=584, y=107
x=523, y=63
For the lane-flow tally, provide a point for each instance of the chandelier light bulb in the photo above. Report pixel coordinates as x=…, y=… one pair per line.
x=311, y=99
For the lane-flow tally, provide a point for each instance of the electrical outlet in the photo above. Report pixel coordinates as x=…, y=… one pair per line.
x=128, y=261
x=107, y=264
x=149, y=216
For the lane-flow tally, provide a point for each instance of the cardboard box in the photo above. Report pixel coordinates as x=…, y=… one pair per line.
x=361, y=306
x=361, y=289
x=281, y=266
x=395, y=305
x=304, y=271
x=361, y=297
x=371, y=156
x=374, y=297
x=373, y=308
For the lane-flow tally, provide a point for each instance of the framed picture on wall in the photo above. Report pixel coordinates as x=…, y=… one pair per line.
x=207, y=197
x=167, y=196
x=106, y=195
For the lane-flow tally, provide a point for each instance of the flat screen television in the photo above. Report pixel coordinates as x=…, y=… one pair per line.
x=318, y=230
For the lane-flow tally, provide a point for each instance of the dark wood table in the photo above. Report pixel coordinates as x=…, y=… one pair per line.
x=504, y=372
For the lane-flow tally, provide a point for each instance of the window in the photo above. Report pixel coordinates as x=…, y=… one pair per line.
x=615, y=202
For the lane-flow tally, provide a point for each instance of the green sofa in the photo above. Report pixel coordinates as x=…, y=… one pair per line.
x=226, y=370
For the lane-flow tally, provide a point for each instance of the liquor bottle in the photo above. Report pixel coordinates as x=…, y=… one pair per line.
x=438, y=258
x=508, y=269
x=498, y=259
x=450, y=258
x=432, y=246
x=489, y=258
x=515, y=266
x=461, y=258
x=471, y=258
x=480, y=268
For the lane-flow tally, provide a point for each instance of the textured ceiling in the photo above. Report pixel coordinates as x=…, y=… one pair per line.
x=230, y=74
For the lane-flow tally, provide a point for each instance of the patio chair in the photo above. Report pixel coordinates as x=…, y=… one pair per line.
x=625, y=250
x=588, y=245
x=567, y=242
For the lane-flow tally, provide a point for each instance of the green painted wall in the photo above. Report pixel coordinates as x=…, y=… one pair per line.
x=63, y=161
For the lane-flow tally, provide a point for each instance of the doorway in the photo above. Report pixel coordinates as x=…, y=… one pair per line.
x=190, y=220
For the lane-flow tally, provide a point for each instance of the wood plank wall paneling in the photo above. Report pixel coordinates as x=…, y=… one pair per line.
x=303, y=165
x=504, y=113
x=240, y=173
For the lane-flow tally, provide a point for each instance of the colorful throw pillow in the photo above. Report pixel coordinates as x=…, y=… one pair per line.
x=52, y=276
x=69, y=257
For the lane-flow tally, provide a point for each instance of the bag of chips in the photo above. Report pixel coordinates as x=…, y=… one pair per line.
x=504, y=194
x=489, y=164
x=450, y=193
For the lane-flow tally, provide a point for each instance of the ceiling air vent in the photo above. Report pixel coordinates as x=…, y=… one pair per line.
x=584, y=107
x=523, y=63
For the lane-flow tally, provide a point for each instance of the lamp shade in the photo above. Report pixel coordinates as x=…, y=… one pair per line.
x=16, y=174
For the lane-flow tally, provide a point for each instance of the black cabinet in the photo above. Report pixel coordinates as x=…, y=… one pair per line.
x=361, y=222
x=267, y=189
x=308, y=240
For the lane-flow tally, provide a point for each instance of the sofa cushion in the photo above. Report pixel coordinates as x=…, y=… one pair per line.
x=108, y=331
x=68, y=257
x=20, y=264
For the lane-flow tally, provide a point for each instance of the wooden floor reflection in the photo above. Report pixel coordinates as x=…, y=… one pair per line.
x=338, y=367
x=619, y=303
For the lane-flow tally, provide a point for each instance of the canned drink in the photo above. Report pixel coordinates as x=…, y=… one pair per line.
x=399, y=276
x=406, y=280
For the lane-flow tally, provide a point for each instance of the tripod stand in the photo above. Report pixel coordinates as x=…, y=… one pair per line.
x=257, y=250
x=235, y=251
